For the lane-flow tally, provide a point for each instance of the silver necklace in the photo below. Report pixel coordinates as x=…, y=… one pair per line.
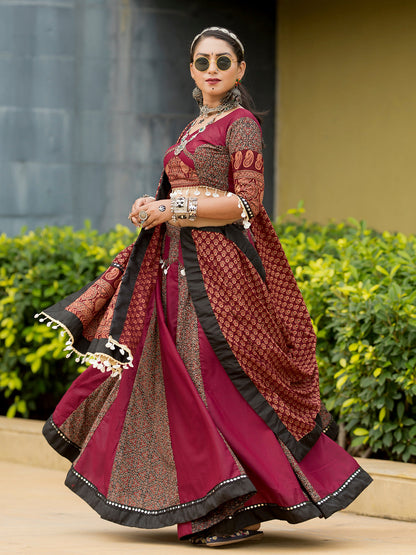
x=190, y=136
x=205, y=111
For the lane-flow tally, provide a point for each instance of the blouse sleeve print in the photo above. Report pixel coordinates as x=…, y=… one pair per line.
x=245, y=146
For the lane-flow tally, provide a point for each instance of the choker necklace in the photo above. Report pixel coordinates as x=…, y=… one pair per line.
x=228, y=103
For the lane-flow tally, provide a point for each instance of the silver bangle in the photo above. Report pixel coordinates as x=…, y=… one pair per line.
x=179, y=208
x=192, y=208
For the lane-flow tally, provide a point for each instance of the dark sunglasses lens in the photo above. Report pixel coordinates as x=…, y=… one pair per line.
x=201, y=64
x=223, y=63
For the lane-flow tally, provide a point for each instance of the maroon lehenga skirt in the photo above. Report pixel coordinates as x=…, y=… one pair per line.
x=174, y=442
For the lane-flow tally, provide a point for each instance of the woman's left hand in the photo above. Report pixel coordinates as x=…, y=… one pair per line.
x=156, y=212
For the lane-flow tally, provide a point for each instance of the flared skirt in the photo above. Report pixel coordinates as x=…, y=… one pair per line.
x=174, y=442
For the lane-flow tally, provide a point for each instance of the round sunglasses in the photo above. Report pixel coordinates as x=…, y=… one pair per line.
x=223, y=63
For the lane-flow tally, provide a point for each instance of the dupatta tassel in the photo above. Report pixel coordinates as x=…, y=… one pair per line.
x=113, y=357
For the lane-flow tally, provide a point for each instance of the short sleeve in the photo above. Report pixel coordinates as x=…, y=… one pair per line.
x=244, y=143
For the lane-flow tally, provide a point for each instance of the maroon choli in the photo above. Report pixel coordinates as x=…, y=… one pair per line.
x=226, y=155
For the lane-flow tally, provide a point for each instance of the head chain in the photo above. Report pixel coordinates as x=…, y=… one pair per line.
x=223, y=30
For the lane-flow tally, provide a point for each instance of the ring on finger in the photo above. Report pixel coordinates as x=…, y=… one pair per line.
x=143, y=215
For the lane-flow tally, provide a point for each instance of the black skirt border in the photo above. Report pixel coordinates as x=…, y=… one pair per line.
x=58, y=441
x=336, y=501
x=240, y=486
x=226, y=491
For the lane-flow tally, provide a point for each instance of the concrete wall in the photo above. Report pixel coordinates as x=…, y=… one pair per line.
x=92, y=92
x=37, y=66
x=346, y=110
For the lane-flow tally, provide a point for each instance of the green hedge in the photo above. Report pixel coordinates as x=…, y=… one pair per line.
x=359, y=285
x=37, y=269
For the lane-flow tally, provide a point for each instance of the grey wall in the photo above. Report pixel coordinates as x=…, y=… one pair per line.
x=37, y=75
x=92, y=93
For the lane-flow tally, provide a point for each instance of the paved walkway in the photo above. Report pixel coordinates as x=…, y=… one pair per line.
x=40, y=516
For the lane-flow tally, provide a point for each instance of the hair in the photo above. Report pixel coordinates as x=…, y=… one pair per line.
x=232, y=39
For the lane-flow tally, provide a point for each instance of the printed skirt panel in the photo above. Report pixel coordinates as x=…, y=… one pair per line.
x=174, y=442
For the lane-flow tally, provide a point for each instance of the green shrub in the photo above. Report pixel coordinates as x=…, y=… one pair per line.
x=359, y=285
x=36, y=270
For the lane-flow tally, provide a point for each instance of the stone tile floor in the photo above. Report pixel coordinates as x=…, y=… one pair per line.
x=40, y=516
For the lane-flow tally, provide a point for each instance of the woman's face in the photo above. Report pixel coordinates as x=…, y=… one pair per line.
x=213, y=82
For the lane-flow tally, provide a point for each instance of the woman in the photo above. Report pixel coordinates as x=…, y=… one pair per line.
x=216, y=423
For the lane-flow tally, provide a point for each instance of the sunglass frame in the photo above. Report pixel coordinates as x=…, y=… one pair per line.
x=223, y=56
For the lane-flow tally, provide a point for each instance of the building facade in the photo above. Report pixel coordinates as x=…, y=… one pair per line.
x=346, y=116
x=92, y=92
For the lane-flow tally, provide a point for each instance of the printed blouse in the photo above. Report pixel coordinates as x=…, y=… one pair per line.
x=227, y=155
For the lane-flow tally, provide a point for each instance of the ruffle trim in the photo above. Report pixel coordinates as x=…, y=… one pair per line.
x=100, y=360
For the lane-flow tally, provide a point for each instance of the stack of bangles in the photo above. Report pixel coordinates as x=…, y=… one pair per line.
x=185, y=207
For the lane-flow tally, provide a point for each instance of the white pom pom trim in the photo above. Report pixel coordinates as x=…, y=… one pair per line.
x=102, y=361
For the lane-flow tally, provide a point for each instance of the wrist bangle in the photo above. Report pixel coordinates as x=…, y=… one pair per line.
x=242, y=203
x=192, y=208
x=247, y=207
x=179, y=208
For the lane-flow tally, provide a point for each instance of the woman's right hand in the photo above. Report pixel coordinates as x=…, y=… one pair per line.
x=137, y=206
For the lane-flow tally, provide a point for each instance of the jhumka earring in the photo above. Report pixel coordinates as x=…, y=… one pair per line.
x=197, y=94
x=235, y=92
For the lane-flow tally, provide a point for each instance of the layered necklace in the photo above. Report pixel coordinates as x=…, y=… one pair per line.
x=206, y=112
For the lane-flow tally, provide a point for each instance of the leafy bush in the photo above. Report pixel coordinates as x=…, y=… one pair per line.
x=359, y=285
x=36, y=270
